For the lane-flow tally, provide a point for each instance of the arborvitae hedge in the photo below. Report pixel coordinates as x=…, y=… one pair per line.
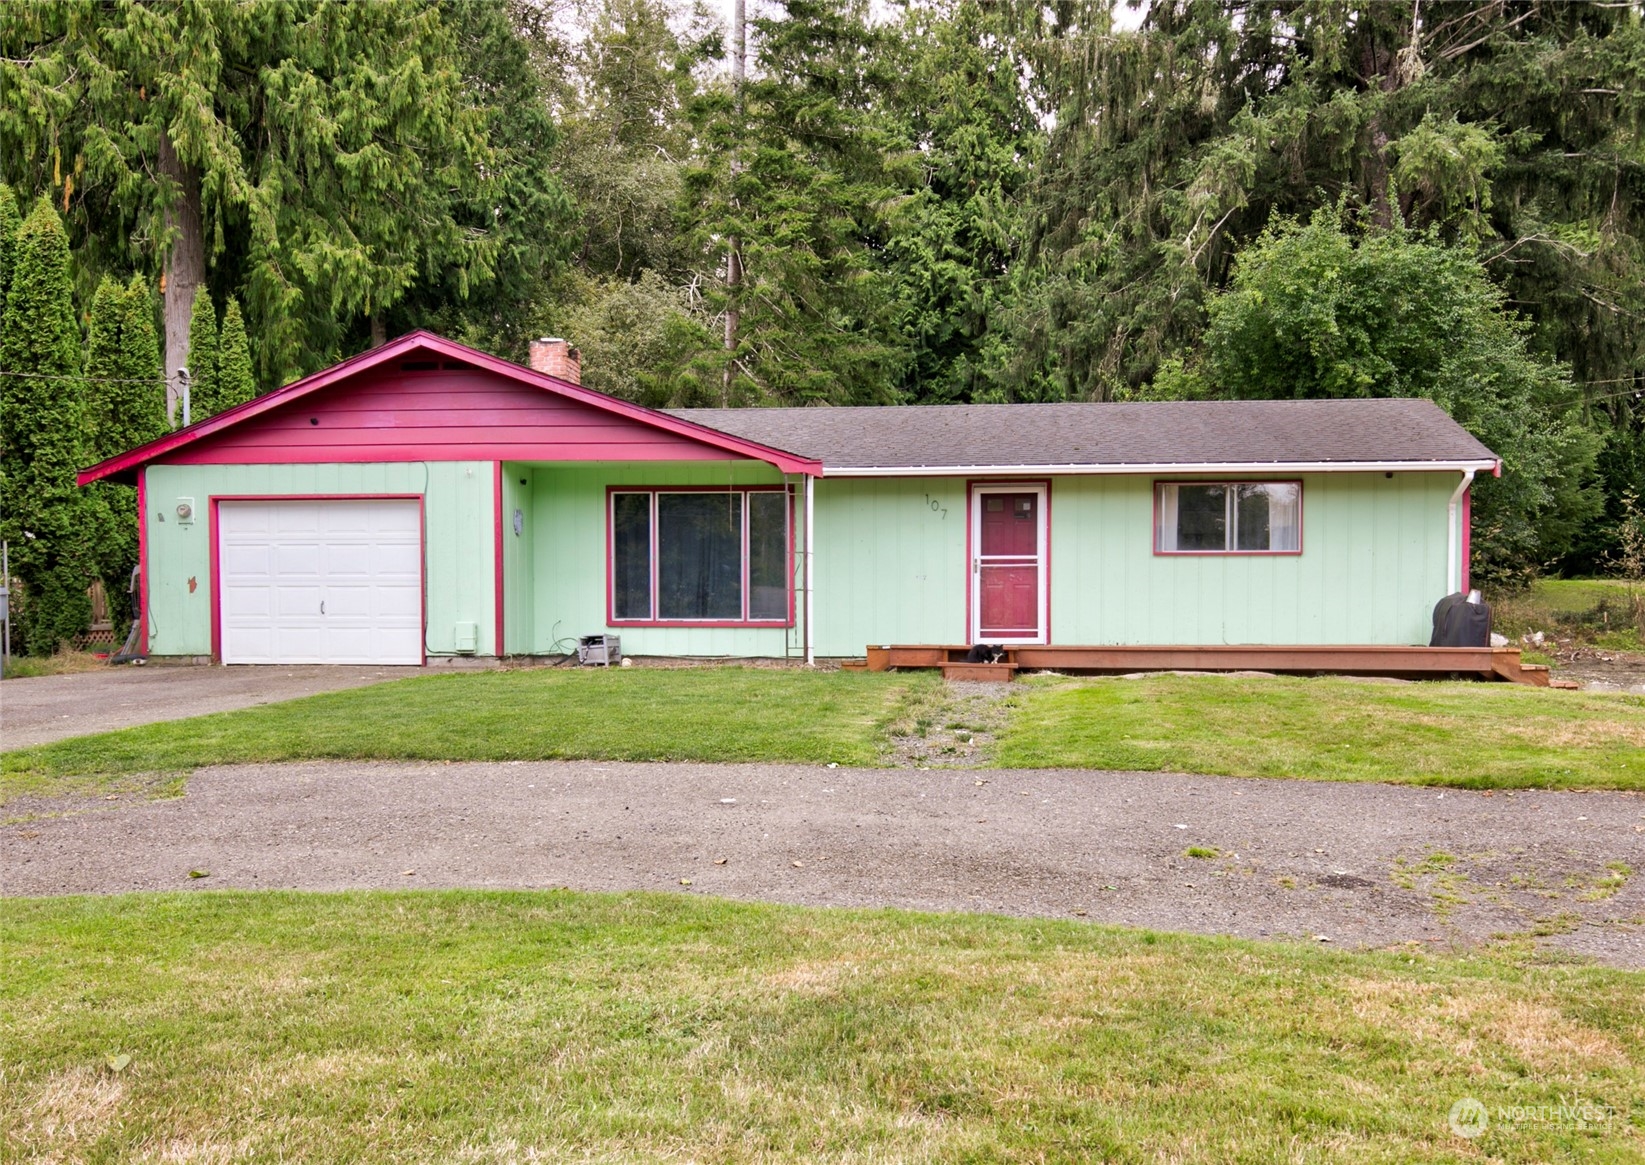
x=205, y=394
x=43, y=514
x=108, y=305
x=236, y=382
x=10, y=223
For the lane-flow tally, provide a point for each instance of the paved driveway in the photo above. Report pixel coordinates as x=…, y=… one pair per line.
x=1363, y=865
x=45, y=708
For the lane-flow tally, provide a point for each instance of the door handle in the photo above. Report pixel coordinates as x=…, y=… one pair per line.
x=322, y=606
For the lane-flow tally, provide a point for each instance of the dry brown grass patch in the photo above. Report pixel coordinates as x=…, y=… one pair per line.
x=73, y=1106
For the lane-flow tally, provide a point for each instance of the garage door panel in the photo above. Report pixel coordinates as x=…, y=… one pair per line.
x=346, y=602
x=247, y=602
x=294, y=518
x=308, y=644
x=352, y=560
x=296, y=602
x=238, y=558
x=401, y=561
x=297, y=558
x=400, y=603
x=249, y=645
x=316, y=581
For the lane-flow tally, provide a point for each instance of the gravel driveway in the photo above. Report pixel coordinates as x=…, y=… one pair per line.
x=1364, y=865
x=40, y=709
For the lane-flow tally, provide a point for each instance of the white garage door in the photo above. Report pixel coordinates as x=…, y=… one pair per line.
x=320, y=581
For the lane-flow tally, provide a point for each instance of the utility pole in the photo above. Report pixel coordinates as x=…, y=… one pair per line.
x=734, y=253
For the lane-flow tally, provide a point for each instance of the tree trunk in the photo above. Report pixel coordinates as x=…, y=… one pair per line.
x=734, y=255
x=184, y=268
x=1389, y=67
x=379, y=330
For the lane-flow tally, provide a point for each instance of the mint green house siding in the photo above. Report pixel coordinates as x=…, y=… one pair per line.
x=560, y=559
x=891, y=562
x=458, y=524
x=892, y=566
x=1373, y=564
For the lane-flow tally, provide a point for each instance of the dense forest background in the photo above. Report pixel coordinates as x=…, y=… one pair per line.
x=917, y=202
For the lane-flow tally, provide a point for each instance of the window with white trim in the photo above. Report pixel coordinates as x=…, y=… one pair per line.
x=1228, y=517
x=684, y=556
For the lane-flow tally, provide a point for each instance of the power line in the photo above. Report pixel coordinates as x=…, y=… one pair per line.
x=85, y=379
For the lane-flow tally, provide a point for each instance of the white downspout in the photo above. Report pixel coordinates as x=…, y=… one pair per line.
x=810, y=532
x=1453, y=552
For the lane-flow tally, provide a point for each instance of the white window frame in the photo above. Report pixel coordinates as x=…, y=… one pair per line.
x=1230, y=519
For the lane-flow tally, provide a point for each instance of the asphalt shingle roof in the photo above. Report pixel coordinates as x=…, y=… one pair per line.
x=1129, y=433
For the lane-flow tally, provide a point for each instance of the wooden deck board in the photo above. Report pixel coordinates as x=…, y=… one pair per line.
x=1488, y=663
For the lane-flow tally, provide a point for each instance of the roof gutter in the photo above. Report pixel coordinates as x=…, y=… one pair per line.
x=1241, y=467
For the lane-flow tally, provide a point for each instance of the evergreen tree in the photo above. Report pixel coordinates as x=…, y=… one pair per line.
x=329, y=159
x=132, y=407
x=108, y=309
x=1318, y=311
x=958, y=227
x=43, y=514
x=10, y=223
x=205, y=394
x=802, y=177
x=236, y=383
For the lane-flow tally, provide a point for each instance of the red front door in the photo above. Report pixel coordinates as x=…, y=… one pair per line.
x=1009, y=567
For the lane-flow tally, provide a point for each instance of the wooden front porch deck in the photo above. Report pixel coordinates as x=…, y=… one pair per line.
x=1485, y=663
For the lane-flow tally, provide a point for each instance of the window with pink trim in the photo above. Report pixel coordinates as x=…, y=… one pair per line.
x=699, y=556
x=1227, y=517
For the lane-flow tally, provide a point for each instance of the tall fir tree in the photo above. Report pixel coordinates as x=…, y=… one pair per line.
x=204, y=391
x=800, y=172
x=331, y=160
x=132, y=410
x=108, y=308
x=236, y=382
x=137, y=403
x=43, y=514
x=103, y=371
x=10, y=223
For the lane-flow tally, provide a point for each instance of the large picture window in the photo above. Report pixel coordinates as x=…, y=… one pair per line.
x=700, y=556
x=1228, y=517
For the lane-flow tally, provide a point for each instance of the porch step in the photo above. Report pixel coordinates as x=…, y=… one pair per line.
x=853, y=665
x=997, y=673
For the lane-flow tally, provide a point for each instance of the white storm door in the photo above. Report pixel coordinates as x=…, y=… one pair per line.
x=1010, y=590
x=327, y=581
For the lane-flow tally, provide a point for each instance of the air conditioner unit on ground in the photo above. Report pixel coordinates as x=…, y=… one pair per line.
x=600, y=650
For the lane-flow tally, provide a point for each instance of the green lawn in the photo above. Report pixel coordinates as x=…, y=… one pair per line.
x=508, y=1027
x=1574, y=596
x=704, y=714
x=1596, y=612
x=1469, y=734
x=1498, y=736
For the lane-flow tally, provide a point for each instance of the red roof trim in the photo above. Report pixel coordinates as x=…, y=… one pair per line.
x=421, y=341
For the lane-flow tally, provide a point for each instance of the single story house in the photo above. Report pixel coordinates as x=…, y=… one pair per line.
x=424, y=500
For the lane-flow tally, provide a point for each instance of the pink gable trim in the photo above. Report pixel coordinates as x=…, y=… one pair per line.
x=492, y=409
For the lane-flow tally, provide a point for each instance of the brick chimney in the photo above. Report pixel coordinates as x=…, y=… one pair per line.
x=557, y=357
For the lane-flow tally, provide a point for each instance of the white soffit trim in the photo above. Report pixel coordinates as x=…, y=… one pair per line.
x=1242, y=467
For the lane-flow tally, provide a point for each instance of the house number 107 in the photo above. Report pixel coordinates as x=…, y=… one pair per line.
x=936, y=506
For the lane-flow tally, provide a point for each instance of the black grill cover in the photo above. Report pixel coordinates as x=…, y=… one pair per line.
x=1459, y=623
